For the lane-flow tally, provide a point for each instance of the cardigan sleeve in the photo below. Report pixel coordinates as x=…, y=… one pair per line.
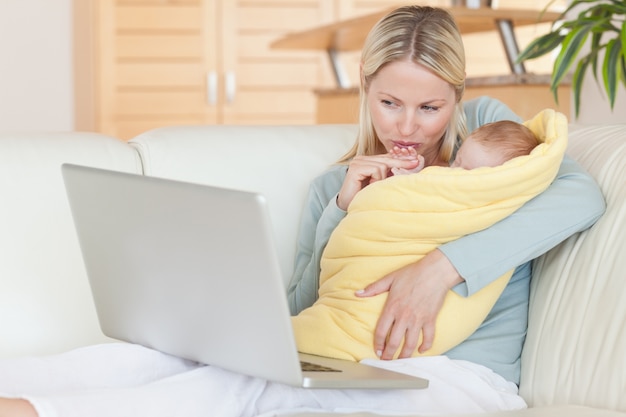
x=572, y=203
x=320, y=217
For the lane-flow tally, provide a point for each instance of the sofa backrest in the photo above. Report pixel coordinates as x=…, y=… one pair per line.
x=575, y=351
x=576, y=315
x=277, y=161
x=45, y=301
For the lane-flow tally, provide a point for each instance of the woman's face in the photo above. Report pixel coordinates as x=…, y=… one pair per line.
x=410, y=107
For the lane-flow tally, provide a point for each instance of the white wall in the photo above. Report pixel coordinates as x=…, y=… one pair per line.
x=36, y=65
x=595, y=107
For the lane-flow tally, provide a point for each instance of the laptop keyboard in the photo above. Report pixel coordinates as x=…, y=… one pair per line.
x=314, y=367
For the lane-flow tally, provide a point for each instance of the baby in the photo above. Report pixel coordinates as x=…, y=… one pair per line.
x=488, y=146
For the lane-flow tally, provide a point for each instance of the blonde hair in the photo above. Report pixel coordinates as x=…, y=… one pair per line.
x=427, y=36
x=509, y=139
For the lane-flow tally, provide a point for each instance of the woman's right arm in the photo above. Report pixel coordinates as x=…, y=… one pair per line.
x=327, y=202
x=319, y=218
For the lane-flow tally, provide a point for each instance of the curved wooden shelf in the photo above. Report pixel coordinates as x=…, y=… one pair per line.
x=349, y=35
x=340, y=105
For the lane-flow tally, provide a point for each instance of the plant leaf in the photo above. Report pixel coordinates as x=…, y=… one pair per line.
x=572, y=45
x=604, y=20
x=577, y=80
x=608, y=8
x=595, y=47
x=623, y=37
x=540, y=46
x=602, y=14
x=611, y=70
x=572, y=5
x=623, y=60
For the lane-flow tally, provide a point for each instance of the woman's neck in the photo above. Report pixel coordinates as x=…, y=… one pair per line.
x=434, y=159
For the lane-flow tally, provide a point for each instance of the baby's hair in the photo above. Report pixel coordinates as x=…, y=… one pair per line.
x=511, y=139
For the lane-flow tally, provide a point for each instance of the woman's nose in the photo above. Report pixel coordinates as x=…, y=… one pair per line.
x=407, y=125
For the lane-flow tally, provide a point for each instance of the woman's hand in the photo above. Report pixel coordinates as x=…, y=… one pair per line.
x=416, y=294
x=364, y=170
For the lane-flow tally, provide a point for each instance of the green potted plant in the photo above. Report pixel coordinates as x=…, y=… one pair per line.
x=602, y=20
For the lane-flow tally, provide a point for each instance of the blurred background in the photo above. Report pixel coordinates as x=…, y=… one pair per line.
x=125, y=66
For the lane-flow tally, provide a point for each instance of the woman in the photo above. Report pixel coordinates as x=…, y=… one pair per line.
x=413, y=74
x=412, y=79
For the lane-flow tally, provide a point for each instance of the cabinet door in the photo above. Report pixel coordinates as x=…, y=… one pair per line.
x=169, y=62
x=260, y=85
x=155, y=58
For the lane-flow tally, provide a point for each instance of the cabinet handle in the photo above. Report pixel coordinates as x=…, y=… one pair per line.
x=211, y=88
x=230, y=86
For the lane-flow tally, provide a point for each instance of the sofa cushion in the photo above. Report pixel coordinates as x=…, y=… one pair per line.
x=574, y=352
x=45, y=302
x=215, y=155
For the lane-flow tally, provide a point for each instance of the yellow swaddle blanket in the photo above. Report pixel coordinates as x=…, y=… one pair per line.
x=397, y=221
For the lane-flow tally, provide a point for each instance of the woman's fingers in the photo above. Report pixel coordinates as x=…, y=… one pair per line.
x=403, y=335
x=406, y=336
x=364, y=170
x=376, y=287
x=400, y=328
x=416, y=294
x=392, y=335
x=428, y=332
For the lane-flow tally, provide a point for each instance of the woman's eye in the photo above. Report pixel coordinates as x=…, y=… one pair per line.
x=387, y=102
x=430, y=108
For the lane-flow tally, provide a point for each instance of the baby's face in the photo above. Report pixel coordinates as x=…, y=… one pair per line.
x=474, y=155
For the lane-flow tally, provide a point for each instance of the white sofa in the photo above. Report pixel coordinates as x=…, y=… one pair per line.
x=574, y=360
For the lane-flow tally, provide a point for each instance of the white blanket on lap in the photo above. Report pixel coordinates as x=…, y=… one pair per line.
x=128, y=380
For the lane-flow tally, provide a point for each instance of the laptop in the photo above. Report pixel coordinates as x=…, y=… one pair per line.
x=191, y=270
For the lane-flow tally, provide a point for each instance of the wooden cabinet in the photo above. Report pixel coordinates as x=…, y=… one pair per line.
x=152, y=58
x=169, y=62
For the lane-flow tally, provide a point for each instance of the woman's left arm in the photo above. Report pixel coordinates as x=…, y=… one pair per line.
x=572, y=203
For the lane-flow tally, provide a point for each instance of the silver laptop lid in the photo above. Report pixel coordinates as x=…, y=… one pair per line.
x=191, y=270
x=130, y=264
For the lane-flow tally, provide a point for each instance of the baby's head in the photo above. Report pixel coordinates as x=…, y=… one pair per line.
x=495, y=143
